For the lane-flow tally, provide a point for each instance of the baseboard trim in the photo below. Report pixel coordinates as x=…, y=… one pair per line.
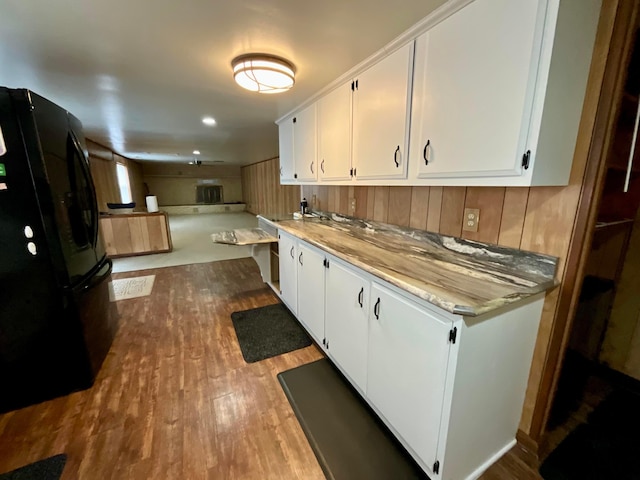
x=491, y=460
x=528, y=449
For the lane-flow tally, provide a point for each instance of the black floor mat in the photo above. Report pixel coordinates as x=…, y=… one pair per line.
x=349, y=441
x=48, y=469
x=607, y=446
x=268, y=331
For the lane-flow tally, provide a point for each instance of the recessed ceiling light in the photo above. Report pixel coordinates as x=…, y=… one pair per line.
x=196, y=152
x=210, y=121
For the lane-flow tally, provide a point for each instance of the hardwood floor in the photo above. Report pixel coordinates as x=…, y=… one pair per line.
x=176, y=400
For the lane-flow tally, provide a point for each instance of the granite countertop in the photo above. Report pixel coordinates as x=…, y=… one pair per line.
x=243, y=236
x=461, y=276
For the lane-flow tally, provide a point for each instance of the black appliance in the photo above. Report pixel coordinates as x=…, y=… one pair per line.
x=56, y=321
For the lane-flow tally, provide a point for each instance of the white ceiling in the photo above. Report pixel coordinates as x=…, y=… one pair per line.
x=140, y=74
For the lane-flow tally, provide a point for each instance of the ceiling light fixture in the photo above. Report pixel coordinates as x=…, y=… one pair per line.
x=210, y=121
x=196, y=152
x=263, y=73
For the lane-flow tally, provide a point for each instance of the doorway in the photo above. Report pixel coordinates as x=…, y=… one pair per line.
x=602, y=358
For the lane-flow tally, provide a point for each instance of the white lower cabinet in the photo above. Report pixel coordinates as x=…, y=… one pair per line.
x=451, y=388
x=311, y=273
x=346, y=322
x=287, y=248
x=407, y=368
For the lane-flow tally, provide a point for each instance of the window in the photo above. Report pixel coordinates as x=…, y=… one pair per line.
x=123, y=183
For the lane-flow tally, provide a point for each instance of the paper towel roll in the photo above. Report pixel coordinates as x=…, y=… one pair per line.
x=152, y=203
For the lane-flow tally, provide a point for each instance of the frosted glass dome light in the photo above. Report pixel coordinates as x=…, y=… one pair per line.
x=263, y=73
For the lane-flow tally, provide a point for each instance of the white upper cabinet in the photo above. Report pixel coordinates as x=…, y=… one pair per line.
x=334, y=134
x=285, y=134
x=490, y=95
x=304, y=145
x=498, y=92
x=381, y=107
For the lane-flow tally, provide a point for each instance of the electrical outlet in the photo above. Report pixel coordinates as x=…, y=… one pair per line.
x=471, y=219
x=314, y=201
x=353, y=204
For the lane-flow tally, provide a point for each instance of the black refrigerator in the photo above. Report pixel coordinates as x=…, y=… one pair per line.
x=56, y=321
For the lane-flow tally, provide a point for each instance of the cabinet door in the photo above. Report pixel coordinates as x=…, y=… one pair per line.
x=473, y=90
x=311, y=271
x=346, y=307
x=285, y=136
x=304, y=145
x=334, y=134
x=380, y=117
x=407, y=367
x=287, y=246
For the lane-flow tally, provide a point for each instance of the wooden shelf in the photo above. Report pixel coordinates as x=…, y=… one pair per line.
x=601, y=224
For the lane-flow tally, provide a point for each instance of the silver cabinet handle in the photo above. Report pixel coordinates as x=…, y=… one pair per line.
x=376, y=309
x=322, y=165
x=311, y=167
x=395, y=156
x=360, y=295
x=300, y=258
x=291, y=252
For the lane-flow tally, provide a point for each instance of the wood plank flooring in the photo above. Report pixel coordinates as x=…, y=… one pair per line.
x=175, y=399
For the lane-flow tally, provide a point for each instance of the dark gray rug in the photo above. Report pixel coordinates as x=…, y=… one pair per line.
x=265, y=332
x=47, y=469
x=349, y=440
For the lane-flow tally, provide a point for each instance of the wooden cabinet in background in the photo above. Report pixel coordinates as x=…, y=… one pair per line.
x=136, y=234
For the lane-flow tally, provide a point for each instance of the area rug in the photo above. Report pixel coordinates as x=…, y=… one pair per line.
x=265, y=332
x=125, y=288
x=606, y=446
x=48, y=469
x=348, y=439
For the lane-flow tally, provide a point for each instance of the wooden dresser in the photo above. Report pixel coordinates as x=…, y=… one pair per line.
x=135, y=234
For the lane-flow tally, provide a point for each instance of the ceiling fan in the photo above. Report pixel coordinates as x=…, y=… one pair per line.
x=197, y=163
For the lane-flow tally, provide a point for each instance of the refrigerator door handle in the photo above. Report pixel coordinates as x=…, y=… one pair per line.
x=96, y=280
x=87, y=174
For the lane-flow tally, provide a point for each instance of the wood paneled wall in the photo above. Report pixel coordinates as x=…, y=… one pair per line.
x=102, y=162
x=262, y=192
x=175, y=183
x=436, y=209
